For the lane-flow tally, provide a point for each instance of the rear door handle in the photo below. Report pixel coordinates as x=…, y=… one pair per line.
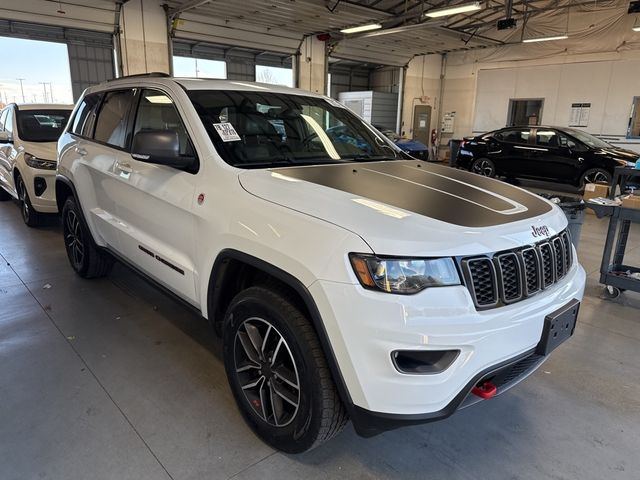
x=80, y=151
x=124, y=167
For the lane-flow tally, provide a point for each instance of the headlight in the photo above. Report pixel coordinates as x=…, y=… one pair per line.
x=404, y=275
x=35, y=162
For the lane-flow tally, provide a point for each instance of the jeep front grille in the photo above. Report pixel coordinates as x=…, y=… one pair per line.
x=508, y=277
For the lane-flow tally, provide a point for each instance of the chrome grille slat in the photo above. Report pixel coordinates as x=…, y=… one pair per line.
x=510, y=276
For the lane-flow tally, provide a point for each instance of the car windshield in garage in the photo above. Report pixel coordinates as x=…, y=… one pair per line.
x=41, y=125
x=588, y=139
x=257, y=130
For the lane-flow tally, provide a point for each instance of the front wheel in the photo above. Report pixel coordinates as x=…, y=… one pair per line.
x=278, y=373
x=85, y=257
x=484, y=166
x=595, y=175
x=29, y=215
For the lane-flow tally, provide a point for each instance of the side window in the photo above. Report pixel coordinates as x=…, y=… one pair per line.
x=157, y=112
x=547, y=138
x=111, y=124
x=516, y=135
x=3, y=118
x=85, y=116
x=8, y=123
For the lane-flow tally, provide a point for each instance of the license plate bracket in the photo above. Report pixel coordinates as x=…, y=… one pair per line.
x=558, y=327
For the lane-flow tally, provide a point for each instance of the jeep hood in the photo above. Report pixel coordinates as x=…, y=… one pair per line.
x=411, y=207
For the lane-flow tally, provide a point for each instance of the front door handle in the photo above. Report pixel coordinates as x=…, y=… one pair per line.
x=124, y=167
x=80, y=151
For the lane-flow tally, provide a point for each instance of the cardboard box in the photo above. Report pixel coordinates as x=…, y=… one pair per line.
x=595, y=190
x=632, y=201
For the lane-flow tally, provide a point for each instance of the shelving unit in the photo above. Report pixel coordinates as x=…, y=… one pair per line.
x=613, y=270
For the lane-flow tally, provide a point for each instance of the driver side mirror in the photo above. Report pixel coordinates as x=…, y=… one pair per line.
x=161, y=147
x=5, y=137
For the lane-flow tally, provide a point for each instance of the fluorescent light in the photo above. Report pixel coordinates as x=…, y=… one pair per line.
x=545, y=39
x=636, y=29
x=453, y=10
x=362, y=28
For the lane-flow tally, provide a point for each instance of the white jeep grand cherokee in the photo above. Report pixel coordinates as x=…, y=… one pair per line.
x=347, y=279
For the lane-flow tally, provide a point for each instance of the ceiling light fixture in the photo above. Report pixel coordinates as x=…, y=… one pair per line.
x=362, y=28
x=636, y=29
x=453, y=10
x=545, y=39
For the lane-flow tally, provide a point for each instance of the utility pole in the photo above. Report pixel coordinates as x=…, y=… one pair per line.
x=21, y=88
x=44, y=89
x=51, y=92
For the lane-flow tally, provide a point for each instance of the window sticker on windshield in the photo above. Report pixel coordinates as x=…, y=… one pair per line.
x=227, y=132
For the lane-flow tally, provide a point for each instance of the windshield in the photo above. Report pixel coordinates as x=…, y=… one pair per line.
x=589, y=139
x=262, y=129
x=41, y=125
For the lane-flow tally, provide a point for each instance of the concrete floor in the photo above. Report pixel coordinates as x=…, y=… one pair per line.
x=110, y=379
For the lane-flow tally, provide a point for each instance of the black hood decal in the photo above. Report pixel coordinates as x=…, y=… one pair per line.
x=438, y=192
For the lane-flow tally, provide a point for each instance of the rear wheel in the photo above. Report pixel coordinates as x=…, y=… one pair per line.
x=484, y=166
x=29, y=215
x=595, y=175
x=85, y=257
x=278, y=373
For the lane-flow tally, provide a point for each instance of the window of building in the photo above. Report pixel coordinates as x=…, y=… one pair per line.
x=525, y=111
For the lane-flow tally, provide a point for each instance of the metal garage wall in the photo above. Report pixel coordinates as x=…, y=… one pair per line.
x=89, y=65
x=90, y=53
x=348, y=79
x=241, y=62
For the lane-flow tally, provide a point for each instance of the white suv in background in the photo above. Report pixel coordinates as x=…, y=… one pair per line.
x=347, y=279
x=28, y=136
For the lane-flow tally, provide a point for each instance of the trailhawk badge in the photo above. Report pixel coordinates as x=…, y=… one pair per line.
x=542, y=231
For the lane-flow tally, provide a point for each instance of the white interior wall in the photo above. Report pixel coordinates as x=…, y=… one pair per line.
x=143, y=38
x=479, y=91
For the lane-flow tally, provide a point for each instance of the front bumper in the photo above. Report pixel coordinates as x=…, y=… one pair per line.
x=46, y=201
x=364, y=328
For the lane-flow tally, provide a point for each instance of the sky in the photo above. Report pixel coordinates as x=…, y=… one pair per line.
x=36, y=62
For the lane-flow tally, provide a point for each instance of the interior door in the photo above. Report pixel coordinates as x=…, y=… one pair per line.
x=422, y=123
x=156, y=203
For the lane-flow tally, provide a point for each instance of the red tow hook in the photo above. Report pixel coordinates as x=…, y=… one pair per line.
x=486, y=390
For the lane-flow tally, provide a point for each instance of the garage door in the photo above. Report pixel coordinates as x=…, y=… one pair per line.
x=90, y=53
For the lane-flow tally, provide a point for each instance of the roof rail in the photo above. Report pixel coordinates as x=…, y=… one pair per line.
x=138, y=75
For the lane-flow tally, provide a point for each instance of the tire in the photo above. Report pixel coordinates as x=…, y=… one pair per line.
x=595, y=175
x=4, y=195
x=313, y=412
x=86, y=259
x=484, y=167
x=29, y=215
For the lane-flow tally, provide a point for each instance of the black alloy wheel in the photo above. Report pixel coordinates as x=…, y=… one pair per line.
x=484, y=166
x=85, y=257
x=596, y=175
x=29, y=214
x=278, y=373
